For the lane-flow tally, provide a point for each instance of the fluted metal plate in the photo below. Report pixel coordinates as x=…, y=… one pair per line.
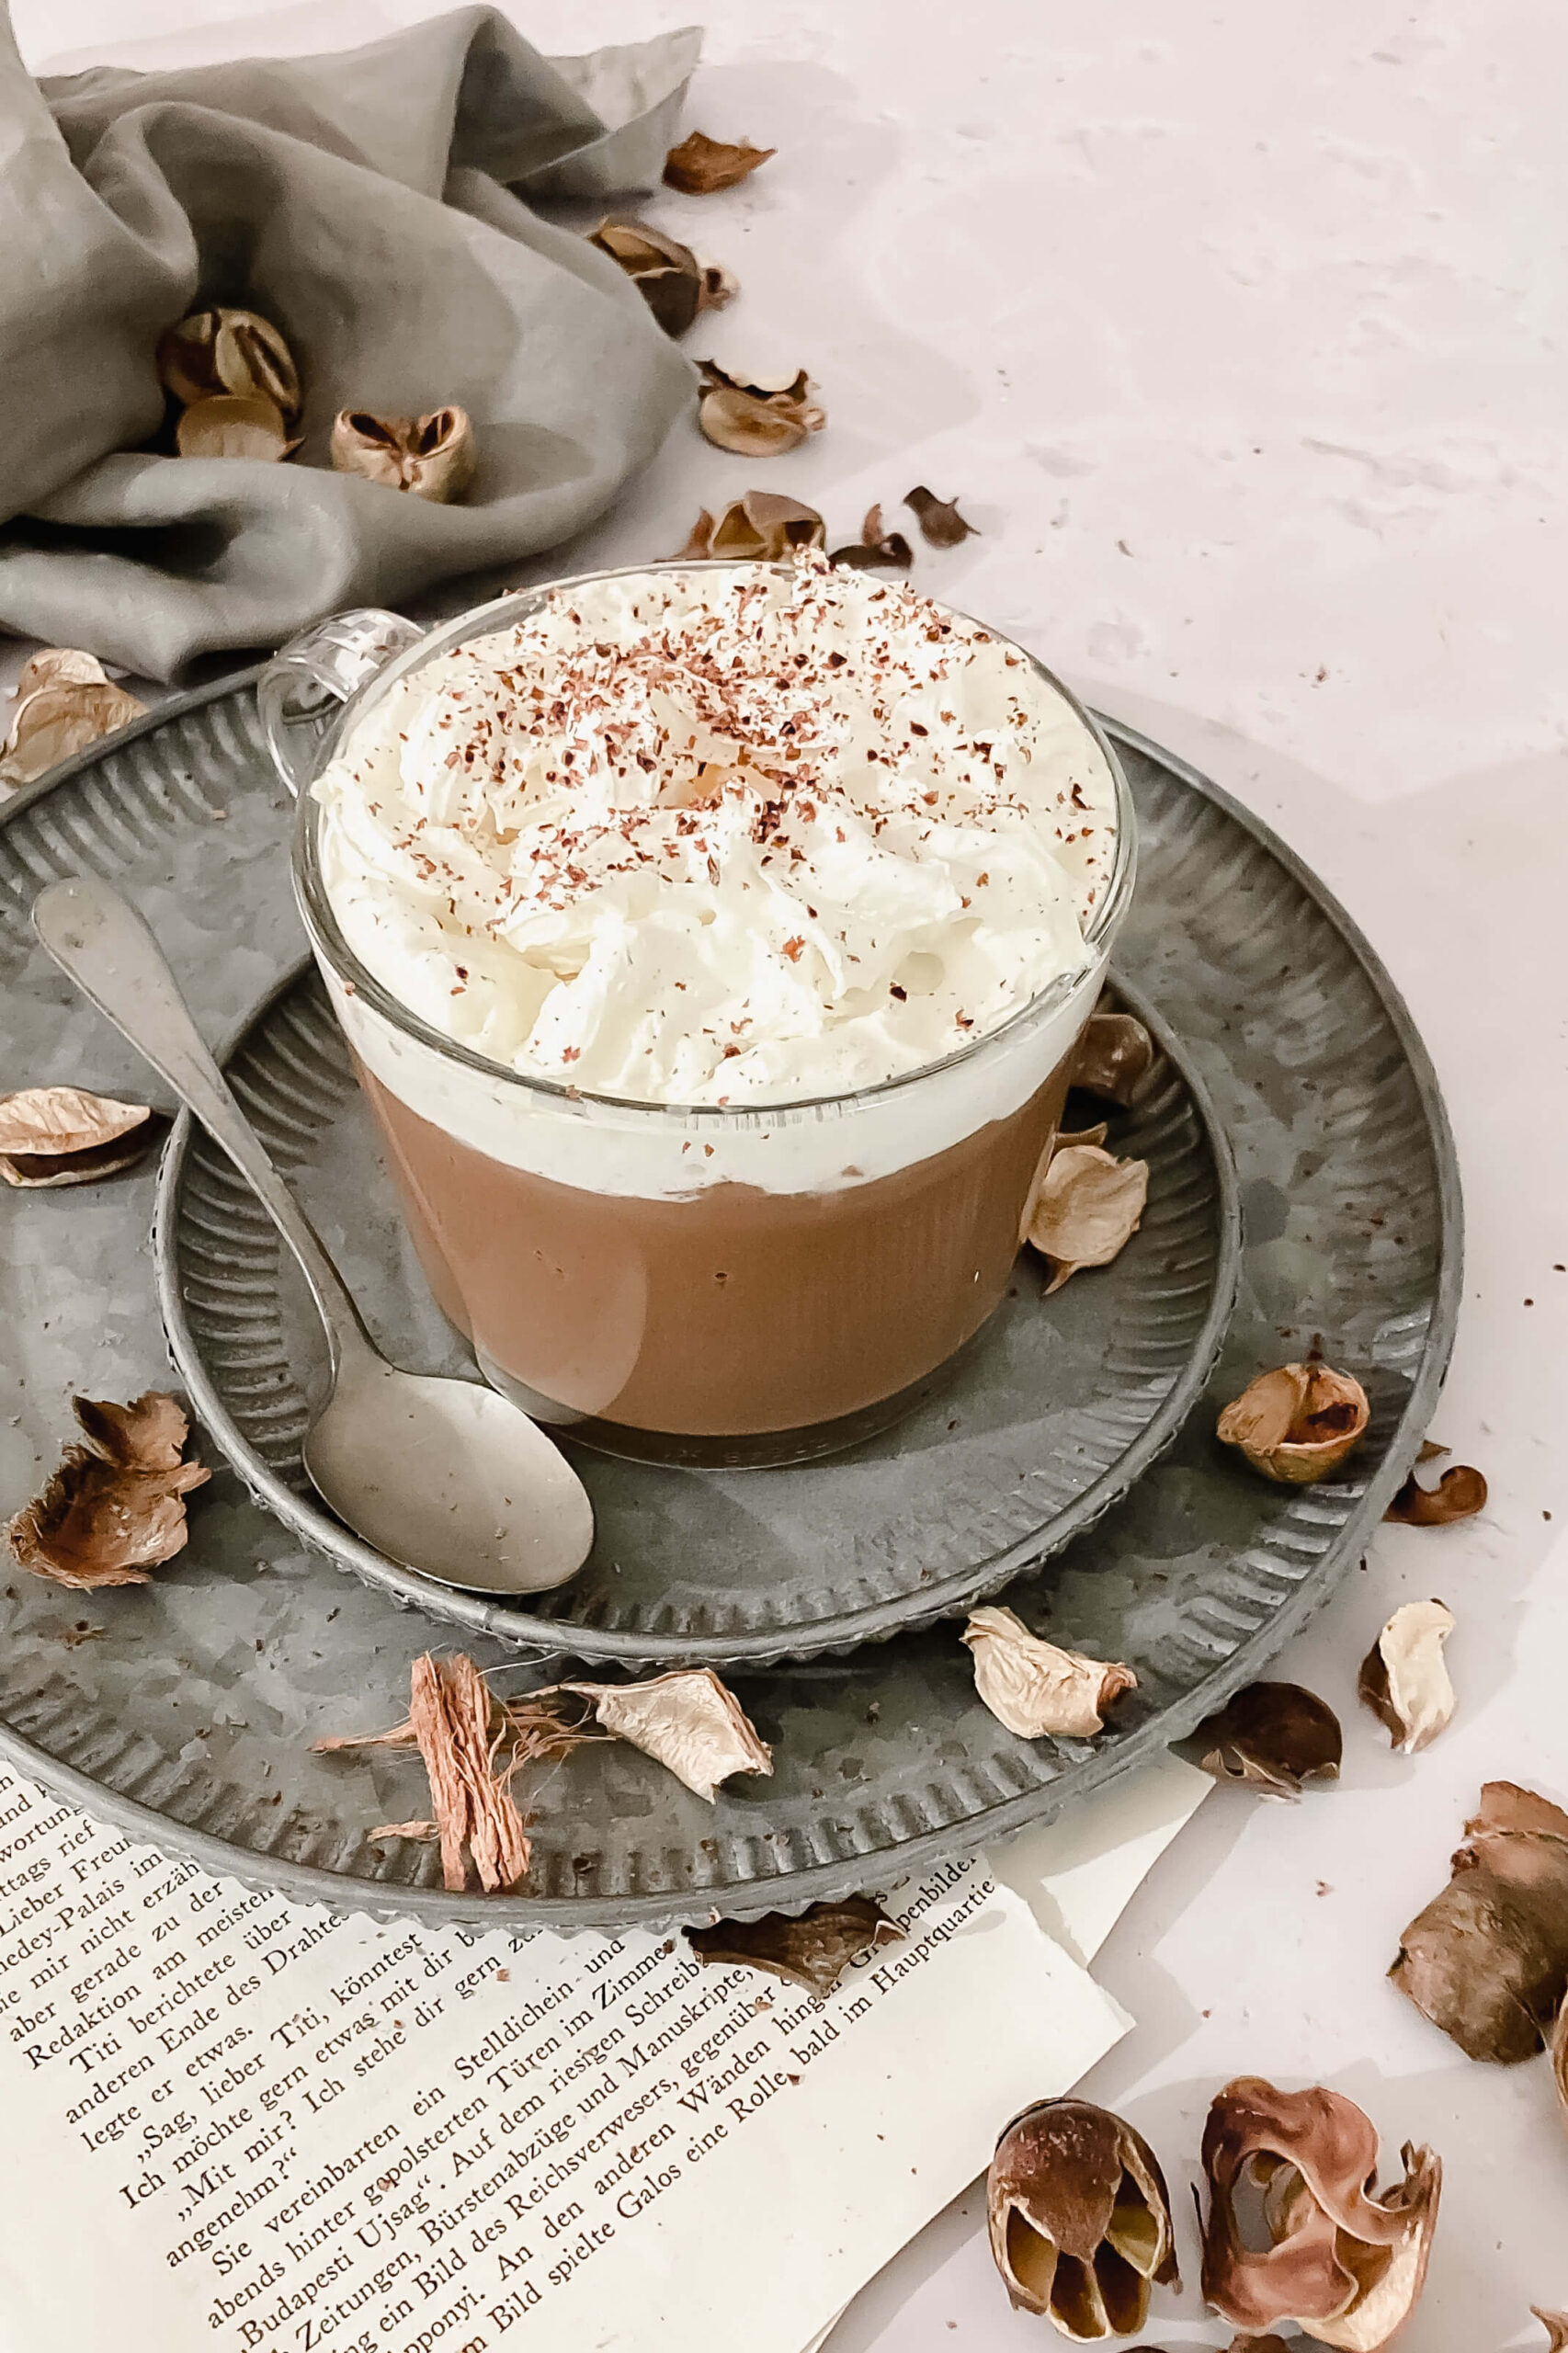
x=1052, y=1413
x=183, y=1709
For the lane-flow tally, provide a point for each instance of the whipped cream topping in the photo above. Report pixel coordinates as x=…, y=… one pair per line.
x=725, y=838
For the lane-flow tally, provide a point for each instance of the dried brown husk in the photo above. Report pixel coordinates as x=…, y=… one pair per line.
x=62, y=1135
x=756, y=420
x=939, y=520
x=1115, y=1054
x=688, y=1721
x=1404, y=1678
x=1297, y=1423
x=700, y=165
x=228, y=351
x=115, y=1508
x=1460, y=1493
x=1560, y=2063
x=672, y=281
x=1347, y=2264
x=1487, y=1960
x=232, y=424
x=63, y=700
x=1032, y=1687
x=1079, y=2218
x=812, y=1950
x=877, y=549
x=432, y=456
x=1556, y=2327
x=472, y=1745
x=1276, y=1736
x=1270, y=2344
x=1085, y=1209
x=761, y=525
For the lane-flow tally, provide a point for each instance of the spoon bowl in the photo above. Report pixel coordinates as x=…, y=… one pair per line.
x=446, y=1476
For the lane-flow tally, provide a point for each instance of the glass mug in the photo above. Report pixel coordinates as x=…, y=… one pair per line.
x=686, y=1284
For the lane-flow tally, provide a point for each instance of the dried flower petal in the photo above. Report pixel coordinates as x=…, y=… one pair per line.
x=433, y=456
x=939, y=520
x=1086, y=1207
x=688, y=1721
x=1349, y=2266
x=812, y=1950
x=64, y=699
x=760, y=527
x=1275, y=1735
x=1032, y=1687
x=1297, y=1423
x=1487, y=1960
x=1403, y=1678
x=1079, y=2218
x=700, y=166
x=62, y=1135
x=672, y=281
x=1115, y=1054
x=1460, y=1493
x=756, y=420
x=233, y=426
x=237, y=352
x=876, y=548
x=1556, y=2327
x=115, y=1508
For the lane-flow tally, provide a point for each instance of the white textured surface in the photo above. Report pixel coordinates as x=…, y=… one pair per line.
x=1242, y=331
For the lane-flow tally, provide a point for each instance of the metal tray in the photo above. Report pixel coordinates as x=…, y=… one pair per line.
x=183, y=1709
x=1051, y=1415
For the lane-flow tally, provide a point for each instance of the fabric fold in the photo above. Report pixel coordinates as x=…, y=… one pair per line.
x=376, y=204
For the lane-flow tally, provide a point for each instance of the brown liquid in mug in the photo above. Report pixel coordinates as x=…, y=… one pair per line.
x=729, y=1312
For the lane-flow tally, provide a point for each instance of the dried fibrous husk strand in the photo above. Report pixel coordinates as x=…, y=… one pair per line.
x=756, y=420
x=1404, y=1677
x=1275, y=1735
x=450, y=1708
x=1347, y=2265
x=62, y=1135
x=761, y=525
x=432, y=456
x=877, y=549
x=229, y=351
x=1035, y=1688
x=1079, y=2218
x=232, y=425
x=1297, y=1423
x=688, y=1721
x=1086, y=1207
x=672, y=281
x=1556, y=2327
x=812, y=1950
x=700, y=165
x=1487, y=1960
x=63, y=700
x=939, y=520
x=115, y=1508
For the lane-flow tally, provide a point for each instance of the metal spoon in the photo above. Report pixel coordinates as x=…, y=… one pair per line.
x=442, y=1475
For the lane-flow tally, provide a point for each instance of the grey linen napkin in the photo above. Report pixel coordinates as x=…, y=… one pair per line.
x=375, y=204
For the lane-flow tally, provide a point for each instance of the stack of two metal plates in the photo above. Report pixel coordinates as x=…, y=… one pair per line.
x=1302, y=1191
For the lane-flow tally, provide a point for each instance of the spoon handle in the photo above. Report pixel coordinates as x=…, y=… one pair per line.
x=98, y=938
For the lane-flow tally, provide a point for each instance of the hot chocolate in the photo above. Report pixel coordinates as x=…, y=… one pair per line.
x=714, y=943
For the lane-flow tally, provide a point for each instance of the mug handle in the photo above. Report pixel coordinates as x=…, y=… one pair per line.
x=299, y=690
